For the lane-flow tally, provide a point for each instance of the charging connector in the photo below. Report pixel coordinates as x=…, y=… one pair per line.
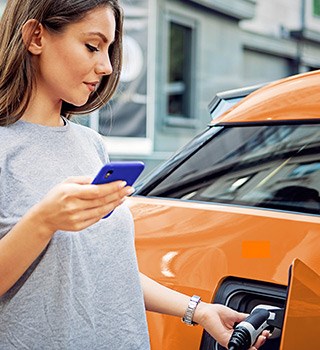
x=247, y=332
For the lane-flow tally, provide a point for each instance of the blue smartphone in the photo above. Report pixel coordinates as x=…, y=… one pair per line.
x=114, y=171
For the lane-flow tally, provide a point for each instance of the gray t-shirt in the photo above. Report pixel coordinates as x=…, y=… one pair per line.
x=83, y=292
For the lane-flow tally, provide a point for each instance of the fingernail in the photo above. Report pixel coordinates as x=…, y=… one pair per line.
x=122, y=184
x=130, y=190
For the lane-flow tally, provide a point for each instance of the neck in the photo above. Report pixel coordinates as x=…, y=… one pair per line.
x=43, y=112
x=43, y=120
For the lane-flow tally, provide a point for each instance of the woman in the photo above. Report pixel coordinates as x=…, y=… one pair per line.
x=68, y=279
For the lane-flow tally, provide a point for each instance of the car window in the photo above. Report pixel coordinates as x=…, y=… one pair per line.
x=275, y=166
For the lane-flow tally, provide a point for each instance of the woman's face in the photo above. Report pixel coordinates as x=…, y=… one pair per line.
x=71, y=64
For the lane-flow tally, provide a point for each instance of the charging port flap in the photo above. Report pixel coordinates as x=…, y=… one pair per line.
x=302, y=313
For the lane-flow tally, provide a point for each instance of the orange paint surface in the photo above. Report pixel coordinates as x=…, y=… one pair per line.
x=293, y=98
x=256, y=249
x=302, y=318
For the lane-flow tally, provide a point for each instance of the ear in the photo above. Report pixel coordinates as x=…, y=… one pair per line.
x=32, y=32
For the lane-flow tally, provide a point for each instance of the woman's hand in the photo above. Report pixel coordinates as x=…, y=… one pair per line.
x=218, y=320
x=76, y=204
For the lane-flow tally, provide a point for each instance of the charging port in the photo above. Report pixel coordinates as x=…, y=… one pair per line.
x=244, y=295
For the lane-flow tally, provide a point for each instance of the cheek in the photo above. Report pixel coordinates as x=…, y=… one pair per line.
x=53, y=66
x=68, y=64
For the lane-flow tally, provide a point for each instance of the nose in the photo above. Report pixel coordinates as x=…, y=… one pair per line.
x=104, y=66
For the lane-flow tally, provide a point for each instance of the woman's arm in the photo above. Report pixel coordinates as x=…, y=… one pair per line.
x=20, y=247
x=70, y=206
x=218, y=320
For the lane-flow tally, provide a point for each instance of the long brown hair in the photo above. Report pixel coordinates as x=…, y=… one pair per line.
x=17, y=75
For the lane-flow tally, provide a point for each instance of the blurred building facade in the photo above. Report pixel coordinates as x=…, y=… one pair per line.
x=180, y=53
x=196, y=48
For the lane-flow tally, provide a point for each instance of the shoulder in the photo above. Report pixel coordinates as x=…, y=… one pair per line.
x=92, y=137
x=84, y=130
x=8, y=138
x=7, y=131
x=86, y=133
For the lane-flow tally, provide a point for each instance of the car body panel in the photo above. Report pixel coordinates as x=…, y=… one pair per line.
x=174, y=237
x=302, y=318
x=270, y=103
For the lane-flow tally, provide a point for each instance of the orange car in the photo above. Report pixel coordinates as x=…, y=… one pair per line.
x=234, y=216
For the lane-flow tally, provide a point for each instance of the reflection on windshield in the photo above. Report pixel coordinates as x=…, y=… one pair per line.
x=263, y=166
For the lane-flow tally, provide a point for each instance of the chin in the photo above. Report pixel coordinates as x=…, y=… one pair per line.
x=78, y=102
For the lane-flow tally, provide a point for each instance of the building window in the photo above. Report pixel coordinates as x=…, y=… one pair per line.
x=179, y=86
x=316, y=8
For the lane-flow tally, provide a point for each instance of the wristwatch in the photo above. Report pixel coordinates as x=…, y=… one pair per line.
x=188, y=316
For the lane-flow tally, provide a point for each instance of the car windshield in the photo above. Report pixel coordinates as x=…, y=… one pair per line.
x=274, y=166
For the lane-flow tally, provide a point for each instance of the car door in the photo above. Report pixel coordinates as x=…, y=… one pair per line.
x=301, y=325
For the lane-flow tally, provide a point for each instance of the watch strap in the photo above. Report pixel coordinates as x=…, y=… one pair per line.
x=188, y=316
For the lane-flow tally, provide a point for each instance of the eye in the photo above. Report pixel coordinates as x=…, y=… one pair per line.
x=92, y=48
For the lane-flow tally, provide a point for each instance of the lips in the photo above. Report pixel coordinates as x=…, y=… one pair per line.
x=92, y=86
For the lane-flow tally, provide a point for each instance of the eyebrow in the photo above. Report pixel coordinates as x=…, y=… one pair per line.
x=99, y=34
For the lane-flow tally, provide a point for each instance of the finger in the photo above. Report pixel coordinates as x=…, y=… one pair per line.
x=99, y=212
x=84, y=224
x=103, y=201
x=99, y=191
x=81, y=180
x=112, y=197
x=240, y=316
x=104, y=204
x=89, y=222
x=260, y=341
